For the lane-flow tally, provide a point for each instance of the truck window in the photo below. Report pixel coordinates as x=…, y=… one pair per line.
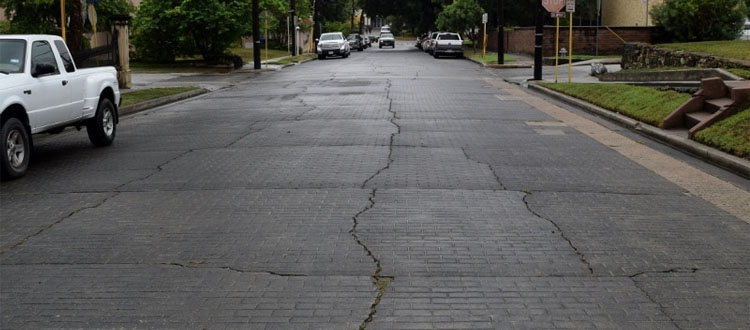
x=65, y=55
x=41, y=53
x=12, y=55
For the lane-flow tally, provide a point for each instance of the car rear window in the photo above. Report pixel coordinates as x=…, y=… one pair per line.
x=449, y=37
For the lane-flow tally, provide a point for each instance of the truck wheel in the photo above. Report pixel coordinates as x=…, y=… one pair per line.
x=321, y=57
x=102, y=127
x=16, y=149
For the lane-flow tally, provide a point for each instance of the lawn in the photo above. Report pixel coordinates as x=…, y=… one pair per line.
x=731, y=135
x=143, y=95
x=489, y=58
x=740, y=72
x=247, y=54
x=293, y=59
x=645, y=104
x=194, y=64
x=737, y=49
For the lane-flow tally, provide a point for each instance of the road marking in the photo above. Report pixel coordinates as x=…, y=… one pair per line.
x=724, y=195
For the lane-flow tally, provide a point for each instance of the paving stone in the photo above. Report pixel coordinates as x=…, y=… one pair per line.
x=618, y=300
x=692, y=234
x=171, y=297
x=463, y=233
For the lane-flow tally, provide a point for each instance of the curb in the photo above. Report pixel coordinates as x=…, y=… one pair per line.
x=300, y=62
x=733, y=163
x=498, y=66
x=150, y=104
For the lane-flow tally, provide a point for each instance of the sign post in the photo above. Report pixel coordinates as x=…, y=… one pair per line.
x=484, y=41
x=570, y=6
x=554, y=7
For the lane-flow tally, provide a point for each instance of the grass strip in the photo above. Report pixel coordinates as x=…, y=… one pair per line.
x=645, y=104
x=143, y=95
x=489, y=58
x=736, y=49
x=293, y=59
x=247, y=54
x=731, y=135
x=740, y=72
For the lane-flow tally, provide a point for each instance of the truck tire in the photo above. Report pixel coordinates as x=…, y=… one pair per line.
x=103, y=126
x=16, y=149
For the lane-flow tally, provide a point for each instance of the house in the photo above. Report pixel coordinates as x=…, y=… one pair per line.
x=628, y=12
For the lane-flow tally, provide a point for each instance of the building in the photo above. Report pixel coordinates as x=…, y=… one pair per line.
x=628, y=12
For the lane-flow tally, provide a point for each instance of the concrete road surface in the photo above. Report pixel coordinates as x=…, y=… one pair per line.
x=389, y=190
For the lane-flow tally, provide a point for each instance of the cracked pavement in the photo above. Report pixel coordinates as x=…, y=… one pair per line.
x=389, y=190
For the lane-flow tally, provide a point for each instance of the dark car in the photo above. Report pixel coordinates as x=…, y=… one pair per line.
x=356, y=42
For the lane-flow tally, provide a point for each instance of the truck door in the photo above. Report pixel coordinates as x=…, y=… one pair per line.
x=49, y=93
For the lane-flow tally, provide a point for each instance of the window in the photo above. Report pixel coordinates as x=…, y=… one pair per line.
x=12, y=56
x=448, y=37
x=331, y=37
x=41, y=53
x=65, y=55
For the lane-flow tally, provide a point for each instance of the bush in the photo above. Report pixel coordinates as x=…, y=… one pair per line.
x=343, y=27
x=4, y=27
x=700, y=20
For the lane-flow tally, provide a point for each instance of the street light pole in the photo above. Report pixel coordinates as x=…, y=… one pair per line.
x=256, y=35
x=501, y=32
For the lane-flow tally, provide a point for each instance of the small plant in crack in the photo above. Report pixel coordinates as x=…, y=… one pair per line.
x=526, y=191
x=382, y=284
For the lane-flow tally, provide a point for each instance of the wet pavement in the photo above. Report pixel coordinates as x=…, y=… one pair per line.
x=389, y=190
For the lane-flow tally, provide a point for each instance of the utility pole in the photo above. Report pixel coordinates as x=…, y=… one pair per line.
x=293, y=12
x=538, y=40
x=256, y=35
x=500, y=32
x=352, y=27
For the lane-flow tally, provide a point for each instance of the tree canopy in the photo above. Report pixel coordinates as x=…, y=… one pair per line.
x=701, y=20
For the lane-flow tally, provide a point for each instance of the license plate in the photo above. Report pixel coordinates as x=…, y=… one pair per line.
x=330, y=53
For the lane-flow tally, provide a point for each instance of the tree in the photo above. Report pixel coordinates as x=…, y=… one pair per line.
x=700, y=20
x=43, y=16
x=461, y=16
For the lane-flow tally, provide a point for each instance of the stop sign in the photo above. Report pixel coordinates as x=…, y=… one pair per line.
x=553, y=5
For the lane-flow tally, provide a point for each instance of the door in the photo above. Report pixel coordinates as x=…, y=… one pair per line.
x=48, y=96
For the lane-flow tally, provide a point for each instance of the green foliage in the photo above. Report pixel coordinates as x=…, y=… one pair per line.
x=461, y=16
x=731, y=135
x=5, y=27
x=343, y=27
x=648, y=105
x=43, y=16
x=165, y=29
x=701, y=20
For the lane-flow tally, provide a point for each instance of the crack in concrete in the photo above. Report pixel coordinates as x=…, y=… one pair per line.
x=237, y=270
x=497, y=177
x=393, y=119
x=661, y=307
x=380, y=281
x=668, y=271
x=562, y=234
x=59, y=221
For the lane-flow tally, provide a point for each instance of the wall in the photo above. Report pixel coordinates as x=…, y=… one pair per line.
x=638, y=55
x=628, y=12
x=521, y=40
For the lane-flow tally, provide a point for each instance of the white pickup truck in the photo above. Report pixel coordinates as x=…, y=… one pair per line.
x=41, y=90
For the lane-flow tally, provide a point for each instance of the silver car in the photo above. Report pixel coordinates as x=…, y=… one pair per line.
x=333, y=44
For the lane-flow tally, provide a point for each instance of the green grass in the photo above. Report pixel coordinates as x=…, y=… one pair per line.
x=731, y=135
x=143, y=95
x=737, y=49
x=247, y=54
x=645, y=104
x=489, y=58
x=740, y=72
x=180, y=66
x=294, y=59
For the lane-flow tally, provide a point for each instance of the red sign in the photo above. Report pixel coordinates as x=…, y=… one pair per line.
x=557, y=15
x=553, y=6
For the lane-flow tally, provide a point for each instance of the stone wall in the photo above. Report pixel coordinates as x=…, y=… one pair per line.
x=521, y=40
x=640, y=56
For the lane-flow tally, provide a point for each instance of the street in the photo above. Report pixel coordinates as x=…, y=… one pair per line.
x=388, y=190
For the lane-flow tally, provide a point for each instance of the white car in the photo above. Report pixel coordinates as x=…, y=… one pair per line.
x=448, y=43
x=42, y=90
x=333, y=44
x=387, y=39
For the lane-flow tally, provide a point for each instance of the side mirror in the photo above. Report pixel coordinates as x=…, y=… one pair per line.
x=42, y=69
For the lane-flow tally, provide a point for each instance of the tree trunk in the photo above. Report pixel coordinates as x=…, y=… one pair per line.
x=75, y=41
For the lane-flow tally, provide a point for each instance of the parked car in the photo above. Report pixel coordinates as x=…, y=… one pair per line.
x=356, y=42
x=385, y=29
x=420, y=40
x=366, y=39
x=42, y=90
x=333, y=44
x=428, y=44
x=387, y=39
x=448, y=43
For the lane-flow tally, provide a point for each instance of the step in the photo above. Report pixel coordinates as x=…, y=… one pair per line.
x=716, y=104
x=693, y=118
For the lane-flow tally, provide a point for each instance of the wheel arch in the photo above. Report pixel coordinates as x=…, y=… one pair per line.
x=16, y=111
x=109, y=94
